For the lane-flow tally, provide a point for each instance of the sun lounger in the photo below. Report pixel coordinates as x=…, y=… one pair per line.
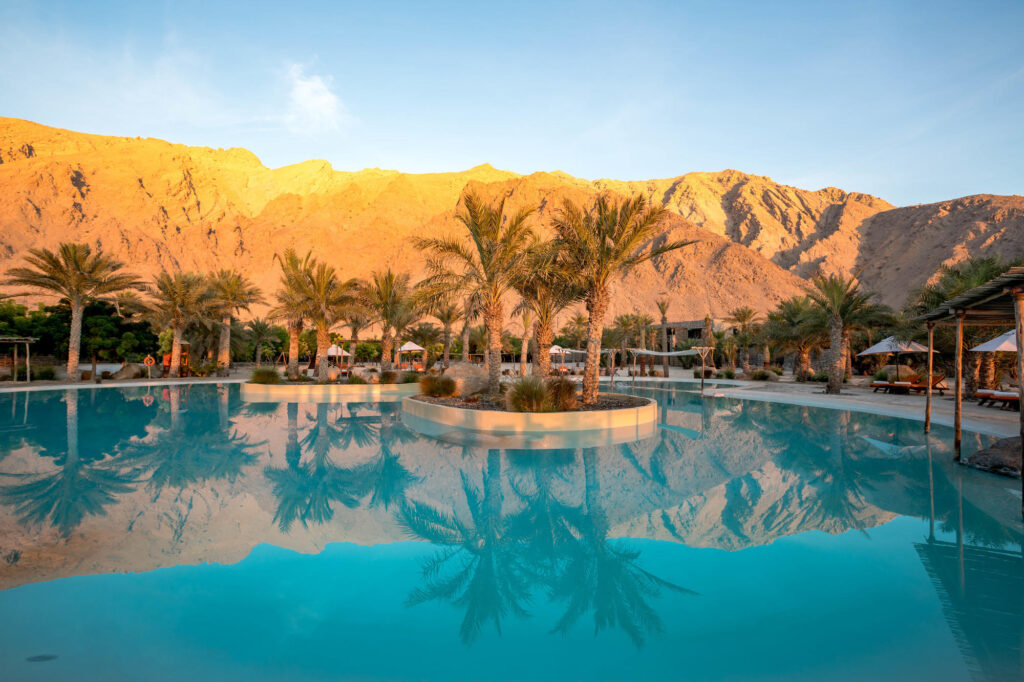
x=1009, y=399
x=983, y=395
x=920, y=386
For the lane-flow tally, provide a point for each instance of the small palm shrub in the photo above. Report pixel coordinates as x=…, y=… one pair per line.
x=725, y=374
x=778, y=371
x=388, y=377
x=563, y=394
x=881, y=375
x=355, y=379
x=708, y=373
x=410, y=377
x=41, y=373
x=265, y=375
x=437, y=387
x=529, y=394
x=302, y=379
x=759, y=375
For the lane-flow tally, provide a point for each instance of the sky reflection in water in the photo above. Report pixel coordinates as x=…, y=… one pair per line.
x=854, y=546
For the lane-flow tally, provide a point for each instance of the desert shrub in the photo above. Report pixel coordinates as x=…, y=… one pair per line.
x=44, y=373
x=759, y=375
x=206, y=369
x=355, y=379
x=708, y=373
x=437, y=387
x=302, y=379
x=529, y=394
x=778, y=370
x=410, y=378
x=265, y=375
x=388, y=377
x=881, y=375
x=563, y=394
x=724, y=374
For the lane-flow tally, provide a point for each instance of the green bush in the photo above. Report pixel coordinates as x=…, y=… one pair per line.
x=881, y=375
x=759, y=375
x=265, y=376
x=302, y=379
x=778, y=370
x=388, y=377
x=355, y=379
x=437, y=387
x=724, y=374
x=410, y=378
x=563, y=394
x=44, y=373
x=209, y=369
x=529, y=394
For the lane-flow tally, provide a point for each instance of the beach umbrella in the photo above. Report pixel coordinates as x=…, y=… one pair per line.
x=892, y=345
x=409, y=347
x=1006, y=343
x=336, y=350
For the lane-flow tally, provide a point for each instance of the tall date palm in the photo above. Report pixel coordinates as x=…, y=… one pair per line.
x=232, y=292
x=75, y=273
x=599, y=246
x=180, y=299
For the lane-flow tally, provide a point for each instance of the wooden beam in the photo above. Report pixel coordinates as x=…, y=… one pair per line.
x=959, y=393
x=928, y=399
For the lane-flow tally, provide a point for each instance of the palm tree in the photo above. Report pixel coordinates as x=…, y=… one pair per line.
x=426, y=335
x=447, y=314
x=490, y=265
x=524, y=344
x=260, y=333
x=545, y=292
x=180, y=299
x=600, y=246
x=793, y=329
x=470, y=311
x=576, y=330
x=289, y=307
x=388, y=297
x=842, y=306
x=325, y=297
x=76, y=274
x=663, y=311
x=232, y=291
x=356, y=319
x=745, y=320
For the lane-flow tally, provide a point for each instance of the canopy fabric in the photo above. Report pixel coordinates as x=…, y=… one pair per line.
x=1004, y=342
x=557, y=350
x=335, y=350
x=891, y=345
x=410, y=346
x=662, y=354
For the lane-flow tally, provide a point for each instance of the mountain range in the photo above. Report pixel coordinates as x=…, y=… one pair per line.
x=158, y=205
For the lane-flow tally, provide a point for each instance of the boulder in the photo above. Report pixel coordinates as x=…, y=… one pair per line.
x=1002, y=457
x=129, y=371
x=469, y=378
x=333, y=373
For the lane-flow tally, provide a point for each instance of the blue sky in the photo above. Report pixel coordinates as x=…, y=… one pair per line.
x=911, y=101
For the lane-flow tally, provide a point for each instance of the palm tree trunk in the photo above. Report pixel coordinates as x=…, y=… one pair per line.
x=259, y=353
x=294, y=330
x=524, y=347
x=292, y=452
x=175, y=369
x=447, y=347
x=423, y=357
x=847, y=356
x=745, y=358
x=71, y=405
x=75, y=341
x=545, y=338
x=223, y=416
x=355, y=342
x=837, y=368
x=465, y=342
x=987, y=375
x=597, y=306
x=387, y=344
x=767, y=357
x=224, y=348
x=323, y=342
x=494, y=319
x=664, y=345
x=803, y=363
x=972, y=372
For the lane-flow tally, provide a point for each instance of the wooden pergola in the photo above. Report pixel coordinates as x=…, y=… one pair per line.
x=997, y=303
x=15, y=340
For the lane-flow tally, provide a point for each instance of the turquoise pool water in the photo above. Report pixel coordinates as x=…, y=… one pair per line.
x=182, y=534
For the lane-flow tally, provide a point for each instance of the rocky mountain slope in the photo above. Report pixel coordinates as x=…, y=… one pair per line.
x=159, y=205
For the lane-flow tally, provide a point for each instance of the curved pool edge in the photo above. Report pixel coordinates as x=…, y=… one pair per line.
x=310, y=392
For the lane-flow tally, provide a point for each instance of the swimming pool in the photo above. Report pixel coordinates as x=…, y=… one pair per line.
x=179, y=533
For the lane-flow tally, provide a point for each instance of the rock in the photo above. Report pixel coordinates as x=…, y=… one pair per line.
x=1003, y=458
x=469, y=378
x=333, y=373
x=129, y=371
x=905, y=371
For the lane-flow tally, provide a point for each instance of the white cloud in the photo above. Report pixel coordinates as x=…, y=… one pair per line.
x=312, y=105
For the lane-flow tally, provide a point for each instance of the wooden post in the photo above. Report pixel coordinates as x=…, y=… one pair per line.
x=928, y=400
x=1018, y=309
x=959, y=397
x=14, y=367
x=28, y=363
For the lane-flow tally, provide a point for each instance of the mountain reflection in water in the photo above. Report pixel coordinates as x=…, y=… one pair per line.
x=140, y=478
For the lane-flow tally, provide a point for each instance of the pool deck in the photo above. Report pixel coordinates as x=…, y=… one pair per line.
x=861, y=398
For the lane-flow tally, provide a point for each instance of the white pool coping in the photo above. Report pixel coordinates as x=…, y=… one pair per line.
x=493, y=421
x=115, y=383
x=311, y=392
